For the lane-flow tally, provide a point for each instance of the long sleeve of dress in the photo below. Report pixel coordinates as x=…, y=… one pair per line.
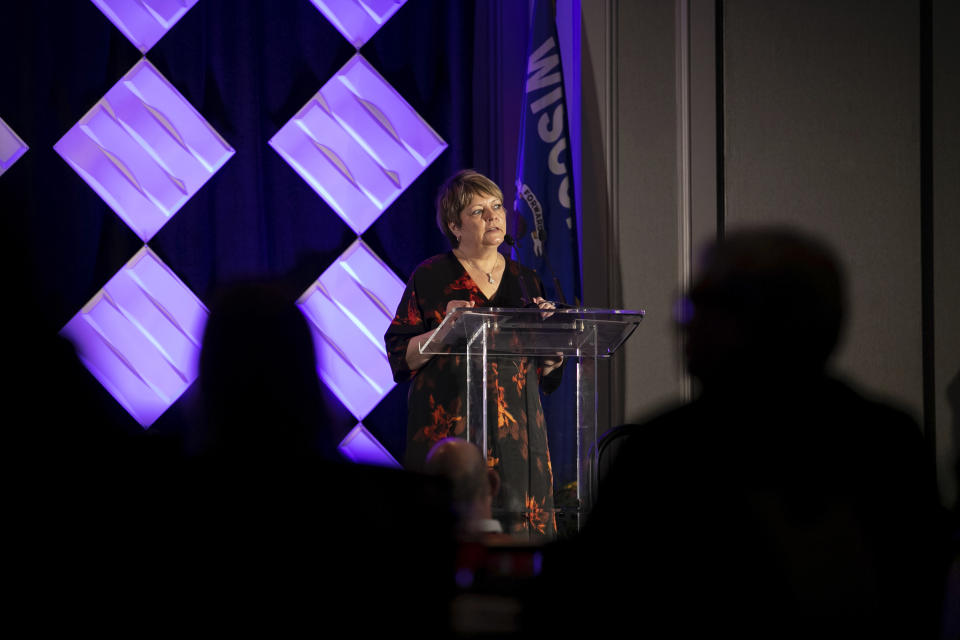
x=407, y=323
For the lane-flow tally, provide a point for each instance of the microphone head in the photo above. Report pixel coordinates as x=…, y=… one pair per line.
x=509, y=239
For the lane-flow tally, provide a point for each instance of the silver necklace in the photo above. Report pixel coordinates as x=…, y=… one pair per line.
x=489, y=274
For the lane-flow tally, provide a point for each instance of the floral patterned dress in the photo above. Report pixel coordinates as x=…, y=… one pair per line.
x=436, y=401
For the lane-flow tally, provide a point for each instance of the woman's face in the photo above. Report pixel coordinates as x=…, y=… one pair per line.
x=483, y=223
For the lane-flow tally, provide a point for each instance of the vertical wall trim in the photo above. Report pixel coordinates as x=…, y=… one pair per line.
x=718, y=57
x=926, y=226
x=611, y=136
x=616, y=386
x=684, y=185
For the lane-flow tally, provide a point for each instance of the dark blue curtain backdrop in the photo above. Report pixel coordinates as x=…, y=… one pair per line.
x=247, y=67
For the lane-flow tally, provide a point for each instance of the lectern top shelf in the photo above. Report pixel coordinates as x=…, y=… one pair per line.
x=595, y=333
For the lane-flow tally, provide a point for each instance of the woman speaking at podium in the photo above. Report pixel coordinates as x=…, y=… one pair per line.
x=470, y=213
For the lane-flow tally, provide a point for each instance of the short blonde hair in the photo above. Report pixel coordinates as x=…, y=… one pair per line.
x=456, y=193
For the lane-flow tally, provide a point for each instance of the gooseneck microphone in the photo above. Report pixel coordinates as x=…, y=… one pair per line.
x=524, y=292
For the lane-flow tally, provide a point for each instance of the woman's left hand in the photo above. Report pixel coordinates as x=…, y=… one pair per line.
x=544, y=304
x=548, y=363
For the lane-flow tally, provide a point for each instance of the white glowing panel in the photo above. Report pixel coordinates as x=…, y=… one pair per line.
x=349, y=308
x=144, y=22
x=358, y=20
x=140, y=336
x=11, y=147
x=358, y=143
x=144, y=149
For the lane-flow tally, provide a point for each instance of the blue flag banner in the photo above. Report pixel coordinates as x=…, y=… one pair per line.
x=545, y=230
x=545, y=227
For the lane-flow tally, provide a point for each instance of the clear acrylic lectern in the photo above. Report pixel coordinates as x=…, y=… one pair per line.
x=581, y=335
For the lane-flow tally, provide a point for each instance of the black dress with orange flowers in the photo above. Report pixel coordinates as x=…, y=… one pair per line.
x=436, y=400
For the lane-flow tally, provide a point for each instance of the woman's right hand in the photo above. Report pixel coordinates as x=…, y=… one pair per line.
x=415, y=359
x=456, y=304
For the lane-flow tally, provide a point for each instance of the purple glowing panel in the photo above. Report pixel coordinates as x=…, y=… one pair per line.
x=361, y=447
x=144, y=22
x=140, y=336
x=358, y=20
x=11, y=147
x=349, y=308
x=144, y=149
x=358, y=144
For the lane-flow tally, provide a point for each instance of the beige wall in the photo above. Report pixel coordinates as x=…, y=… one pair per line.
x=821, y=120
x=946, y=239
x=630, y=174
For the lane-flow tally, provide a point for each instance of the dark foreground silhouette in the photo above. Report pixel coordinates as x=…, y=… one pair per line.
x=259, y=532
x=778, y=504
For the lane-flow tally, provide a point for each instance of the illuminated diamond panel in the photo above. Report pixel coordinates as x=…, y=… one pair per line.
x=144, y=22
x=358, y=20
x=11, y=147
x=140, y=336
x=358, y=144
x=144, y=149
x=360, y=446
x=349, y=308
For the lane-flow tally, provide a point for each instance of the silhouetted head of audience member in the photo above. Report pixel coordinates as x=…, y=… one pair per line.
x=767, y=303
x=474, y=485
x=258, y=376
